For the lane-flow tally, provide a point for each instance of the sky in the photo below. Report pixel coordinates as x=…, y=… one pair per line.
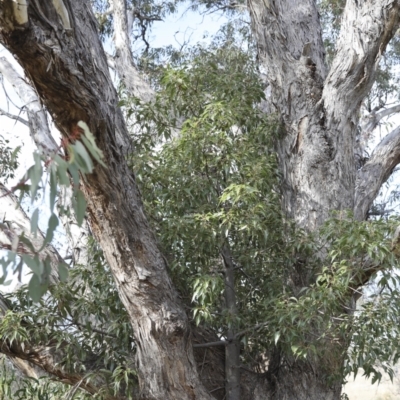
x=185, y=25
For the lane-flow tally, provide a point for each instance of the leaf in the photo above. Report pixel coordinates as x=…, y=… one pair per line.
x=53, y=223
x=73, y=169
x=35, y=174
x=89, y=141
x=80, y=208
x=27, y=242
x=34, y=222
x=53, y=188
x=96, y=153
x=36, y=289
x=61, y=171
x=33, y=264
x=84, y=155
x=63, y=271
x=276, y=337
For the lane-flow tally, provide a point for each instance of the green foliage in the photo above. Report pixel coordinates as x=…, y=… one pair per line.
x=59, y=170
x=8, y=160
x=44, y=388
x=215, y=182
x=85, y=321
x=321, y=317
x=208, y=175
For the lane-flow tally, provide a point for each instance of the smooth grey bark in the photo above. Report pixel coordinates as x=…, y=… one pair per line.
x=72, y=62
x=320, y=110
x=376, y=171
x=123, y=59
x=37, y=119
x=372, y=120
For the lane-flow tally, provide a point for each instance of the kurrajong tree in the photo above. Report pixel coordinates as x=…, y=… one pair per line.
x=230, y=220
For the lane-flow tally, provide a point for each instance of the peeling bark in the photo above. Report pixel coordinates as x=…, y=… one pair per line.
x=319, y=111
x=320, y=115
x=73, y=63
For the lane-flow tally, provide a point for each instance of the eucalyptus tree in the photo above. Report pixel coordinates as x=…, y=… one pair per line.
x=258, y=192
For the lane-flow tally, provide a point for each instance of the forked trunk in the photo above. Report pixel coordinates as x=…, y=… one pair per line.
x=319, y=111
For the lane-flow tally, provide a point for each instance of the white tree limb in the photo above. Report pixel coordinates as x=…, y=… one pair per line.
x=37, y=118
x=372, y=120
x=33, y=360
x=110, y=61
x=375, y=172
x=13, y=223
x=14, y=220
x=366, y=29
x=125, y=66
x=15, y=117
x=41, y=135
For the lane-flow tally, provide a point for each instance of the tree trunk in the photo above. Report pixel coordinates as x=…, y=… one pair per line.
x=60, y=51
x=302, y=380
x=319, y=111
x=232, y=349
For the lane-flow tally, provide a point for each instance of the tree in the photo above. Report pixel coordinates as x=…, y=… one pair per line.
x=272, y=217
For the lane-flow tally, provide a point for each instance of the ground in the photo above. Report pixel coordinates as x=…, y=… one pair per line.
x=361, y=389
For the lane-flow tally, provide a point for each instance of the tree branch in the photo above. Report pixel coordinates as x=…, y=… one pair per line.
x=366, y=29
x=375, y=172
x=15, y=117
x=13, y=223
x=40, y=132
x=45, y=359
x=23, y=354
x=371, y=121
x=124, y=63
x=37, y=120
x=212, y=344
x=320, y=113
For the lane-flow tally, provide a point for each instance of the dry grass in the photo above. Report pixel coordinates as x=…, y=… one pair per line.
x=361, y=389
